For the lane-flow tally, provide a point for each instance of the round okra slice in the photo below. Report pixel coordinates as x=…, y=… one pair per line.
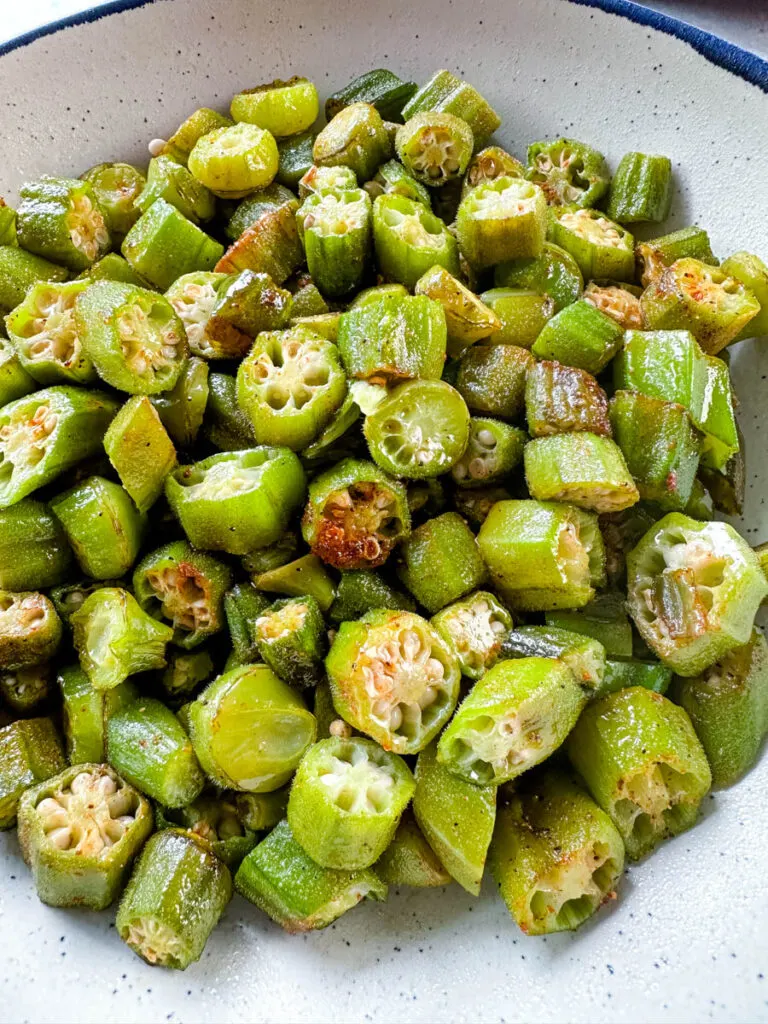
x=617, y=302
x=346, y=800
x=45, y=335
x=440, y=561
x=133, y=336
x=62, y=220
x=693, y=591
x=234, y=160
x=493, y=450
x=488, y=164
x=199, y=123
x=116, y=187
x=434, y=147
x=34, y=551
x=281, y=108
x=290, y=637
x=79, y=833
x=467, y=318
x=505, y=219
x=568, y=171
x=555, y=856
x=419, y=430
x=185, y=587
x=193, y=297
x=584, y=469
x=410, y=860
x=642, y=763
x=30, y=629
x=176, y=895
x=409, y=240
x=393, y=678
x=317, y=180
x=289, y=386
x=335, y=228
x=356, y=138
x=24, y=690
x=602, y=248
x=250, y=730
x=85, y=713
x=474, y=629
x=355, y=515
x=214, y=819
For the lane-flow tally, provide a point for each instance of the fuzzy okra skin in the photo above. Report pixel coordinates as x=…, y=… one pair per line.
x=281, y=108
x=355, y=138
x=653, y=256
x=85, y=713
x=467, y=318
x=568, y=172
x=19, y=270
x=488, y=164
x=440, y=561
x=336, y=231
x=580, y=335
x=62, y=220
x=234, y=160
x=163, y=244
x=505, y=219
x=605, y=619
x=305, y=575
x=523, y=313
x=181, y=410
x=602, y=248
x=642, y=763
x=583, y=655
x=555, y=273
x=34, y=550
x=171, y=181
x=79, y=833
x=393, y=179
x=555, y=856
x=409, y=240
x=15, y=382
x=622, y=673
x=290, y=637
x=446, y=93
x=641, y=189
x=582, y=468
x=30, y=629
x=24, y=690
x=140, y=450
x=380, y=87
x=30, y=752
x=174, y=899
x=492, y=379
x=410, y=860
x=199, y=123
x=564, y=399
x=753, y=274
x=260, y=812
x=475, y=629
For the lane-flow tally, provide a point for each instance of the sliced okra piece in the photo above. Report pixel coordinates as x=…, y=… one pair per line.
x=753, y=274
x=381, y=88
x=584, y=469
x=604, y=619
x=580, y=335
x=290, y=637
x=355, y=138
x=654, y=256
x=410, y=860
x=319, y=180
x=336, y=439
x=584, y=656
x=175, y=871
x=691, y=296
x=393, y=179
x=475, y=629
x=19, y=270
x=617, y=302
x=555, y=856
x=569, y=172
x=335, y=228
x=115, y=639
x=492, y=379
x=305, y=575
x=234, y=160
x=281, y=108
x=664, y=364
x=475, y=505
x=294, y=159
x=493, y=450
x=523, y=314
x=47, y=433
x=409, y=240
x=113, y=267
x=260, y=812
x=117, y=187
x=236, y=501
x=34, y=551
x=68, y=598
x=181, y=409
x=721, y=441
x=554, y=273
x=271, y=557
x=642, y=763
x=62, y=220
x=361, y=591
x=271, y=246
x=30, y=629
x=727, y=487
x=79, y=832
x=30, y=752
x=85, y=713
x=660, y=446
x=324, y=324
x=693, y=591
x=24, y=690
x=393, y=678
x=248, y=303
x=488, y=164
x=306, y=299
x=169, y=180
x=621, y=673
x=250, y=730
x=434, y=147
x=440, y=561
x=215, y=820
x=15, y=382
x=263, y=202
x=7, y=224
x=564, y=399
x=225, y=424
x=504, y=219
x=446, y=93
x=163, y=244
x=602, y=248
x=140, y=451
x=185, y=587
x=243, y=605
x=641, y=189
x=184, y=673
x=199, y=123
x=468, y=319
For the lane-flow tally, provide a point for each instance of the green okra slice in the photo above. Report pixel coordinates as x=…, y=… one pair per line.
x=475, y=629
x=434, y=147
x=62, y=220
x=564, y=399
x=653, y=256
x=147, y=745
x=113, y=267
x=727, y=487
x=34, y=550
x=346, y=800
x=260, y=812
x=642, y=763
x=193, y=298
x=380, y=87
x=440, y=561
x=641, y=189
x=605, y=619
x=290, y=638
x=199, y=123
x=305, y=575
x=584, y=656
x=693, y=591
x=580, y=335
x=660, y=446
x=410, y=860
x=79, y=832
x=617, y=302
x=584, y=469
x=69, y=597
x=269, y=244
x=475, y=505
x=621, y=531
x=182, y=408
x=555, y=856
x=185, y=587
x=467, y=318
x=691, y=296
x=621, y=673
x=753, y=274
x=554, y=273
x=318, y=180
x=360, y=591
x=214, y=819
x=324, y=324
x=409, y=240
x=335, y=439
x=354, y=138
x=114, y=638
x=493, y=450
x=394, y=678
x=243, y=605
x=456, y=817
x=117, y=187
x=174, y=899
x=601, y=247
x=24, y=690
x=294, y=155
x=249, y=303
x=488, y=164
x=237, y=501
x=30, y=629
x=721, y=441
x=504, y=219
x=7, y=224
x=271, y=557
x=281, y=108
x=171, y=181
x=335, y=228
x=140, y=450
x=281, y=879
x=523, y=314
x=103, y=526
x=85, y=713
x=446, y=93
x=355, y=515
x=568, y=172
x=225, y=424
x=492, y=379
x=728, y=706
x=163, y=244
x=184, y=673
x=45, y=434
x=30, y=752
x=234, y=160
x=19, y=270
x=393, y=179
x=15, y=382
x=664, y=364
x=515, y=716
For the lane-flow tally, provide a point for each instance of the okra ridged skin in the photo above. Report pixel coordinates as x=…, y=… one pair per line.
x=295, y=159
x=643, y=764
x=199, y=123
x=409, y=240
x=355, y=138
x=434, y=147
x=584, y=469
x=410, y=860
x=564, y=399
x=641, y=189
x=62, y=220
x=85, y=713
x=173, y=901
x=554, y=273
x=171, y=181
x=360, y=591
x=621, y=673
x=117, y=187
x=163, y=244
x=722, y=440
x=492, y=379
x=79, y=833
x=336, y=231
x=523, y=314
x=19, y=270
x=34, y=550
x=605, y=619
x=505, y=219
x=493, y=450
x=440, y=561
x=446, y=93
x=234, y=160
x=140, y=450
x=15, y=382
x=467, y=318
x=30, y=752
x=583, y=655
x=580, y=336
x=282, y=108
x=181, y=410
x=654, y=256
x=664, y=364
x=243, y=605
x=26, y=691
x=568, y=171
x=380, y=87
x=602, y=248
x=290, y=638
x=269, y=245
x=305, y=575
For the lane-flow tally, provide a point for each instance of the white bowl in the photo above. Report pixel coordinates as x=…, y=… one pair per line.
x=686, y=940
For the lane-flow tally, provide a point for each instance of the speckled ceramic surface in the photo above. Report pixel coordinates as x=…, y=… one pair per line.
x=686, y=941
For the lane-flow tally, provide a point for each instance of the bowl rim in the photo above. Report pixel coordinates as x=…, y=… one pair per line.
x=740, y=62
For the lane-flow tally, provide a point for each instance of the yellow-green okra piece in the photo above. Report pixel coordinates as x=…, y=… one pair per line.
x=434, y=147
x=234, y=160
x=336, y=230
x=753, y=274
x=523, y=313
x=199, y=123
x=354, y=138
x=641, y=189
x=140, y=450
x=409, y=240
x=282, y=108
x=305, y=575
x=488, y=164
x=554, y=273
x=440, y=561
x=243, y=604
x=467, y=318
x=585, y=469
x=602, y=248
x=504, y=219
x=362, y=590
x=268, y=242
x=30, y=752
x=212, y=817
x=580, y=335
x=290, y=637
x=475, y=629
x=380, y=87
x=605, y=619
x=410, y=860
x=19, y=270
x=24, y=690
x=85, y=713
x=169, y=180
x=62, y=220
x=653, y=256
x=30, y=629
x=446, y=93
x=619, y=301
x=117, y=187
x=568, y=171
x=15, y=382
x=563, y=399
x=390, y=179
x=34, y=550
x=163, y=244
x=260, y=812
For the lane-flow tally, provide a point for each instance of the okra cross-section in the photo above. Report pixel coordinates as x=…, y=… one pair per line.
x=467, y=318
x=569, y=172
x=409, y=240
x=45, y=334
x=493, y=450
x=474, y=628
x=445, y=92
x=214, y=819
x=505, y=219
x=393, y=678
x=30, y=629
x=290, y=637
x=434, y=147
x=602, y=248
x=335, y=228
x=281, y=108
x=61, y=219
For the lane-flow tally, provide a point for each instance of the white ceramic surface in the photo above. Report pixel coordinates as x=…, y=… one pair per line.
x=686, y=941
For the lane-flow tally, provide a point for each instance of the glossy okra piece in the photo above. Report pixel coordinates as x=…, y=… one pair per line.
x=434, y=147
x=554, y=273
x=68, y=598
x=62, y=220
x=236, y=501
x=617, y=302
x=722, y=440
x=440, y=561
x=621, y=673
x=580, y=335
x=555, y=856
x=380, y=87
x=393, y=678
x=641, y=189
x=584, y=469
x=213, y=819
x=691, y=296
x=360, y=591
x=355, y=515
x=225, y=424
x=269, y=244
x=234, y=160
x=181, y=409
x=163, y=244
x=243, y=605
x=169, y=180
x=728, y=706
x=290, y=385
x=642, y=763
x=250, y=730
x=475, y=629
x=24, y=690
x=259, y=812
x=85, y=713
x=660, y=446
x=602, y=248
x=584, y=656
x=199, y=123
x=693, y=591
x=290, y=637
x=339, y=436
x=476, y=504
x=19, y=270
x=493, y=450
x=34, y=551
x=184, y=587
x=113, y=267
x=563, y=399
x=15, y=382
x=727, y=487
x=409, y=240
x=753, y=274
x=140, y=450
x=664, y=364
x=30, y=752
x=504, y=219
x=393, y=179
x=30, y=629
x=355, y=138
x=523, y=314
x=193, y=298
x=700, y=503
x=446, y=93
x=305, y=575
x=281, y=108
x=335, y=228
x=114, y=638
x=410, y=860
x=79, y=832
x=174, y=899
x=419, y=430
x=568, y=172
x=492, y=379
x=467, y=318
x=116, y=188
x=294, y=159
x=605, y=619
x=653, y=256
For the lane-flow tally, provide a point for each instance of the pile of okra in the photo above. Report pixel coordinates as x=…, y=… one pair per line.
x=356, y=517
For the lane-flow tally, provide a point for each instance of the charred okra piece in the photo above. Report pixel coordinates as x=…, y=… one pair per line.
x=305, y=575
x=140, y=450
x=580, y=335
x=654, y=256
x=753, y=274
x=335, y=228
x=19, y=270
x=176, y=895
x=493, y=450
x=34, y=551
x=62, y=220
x=410, y=860
x=585, y=469
x=409, y=240
x=171, y=181
x=163, y=244
x=564, y=399
x=440, y=561
x=618, y=302
x=641, y=189
x=555, y=856
x=605, y=619
x=475, y=629
x=434, y=147
x=290, y=637
x=243, y=605
x=45, y=334
x=85, y=713
x=523, y=314
x=355, y=138
x=492, y=379
x=30, y=752
x=79, y=833
x=181, y=409
x=361, y=591
x=446, y=93
x=584, y=656
x=569, y=172
x=602, y=248
x=467, y=318
x=269, y=244
x=281, y=108
x=30, y=629
x=505, y=219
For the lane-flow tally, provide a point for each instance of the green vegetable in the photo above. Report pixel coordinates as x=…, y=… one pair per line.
x=199, y=123
x=30, y=752
x=523, y=315
x=215, y=820
x=621, y=674
x=475, y=505
x=45, y=335
x=171, y=181
x=294, y=155
x=584, y=656
x=34, y=551
x=584, y=469
x=354, y=138
x=319, y=180
x=753, y=274
x=604, y=619
x=290, y=637
x=361, y=591
x=30, y=629
x=335, y=228
x=381, y=88
x=261, y=811
x=181, y=409
x=504, y=219
x=440, y=561
x=641, y=189
x=564, y=399
x=467, y=318
x=653, y=256
x=393, y=179
x=410, y=860
x=163, y=244
x=617, y=302
x=24, y=690
x=580, y=335
x=488, y=164
x=15, y=382
x=446, y=93
x=282, y=108
x=434, y=147
x=140, y=450
x=475, y=629
x=602, y=248
x=492, y=379
x=234, y=160
x=569, y=172
x=409, y=240
x=62, y=220
x=269, y=244
x=305, y=575
x=493, y=450
x=85, y=713
x=19, y=270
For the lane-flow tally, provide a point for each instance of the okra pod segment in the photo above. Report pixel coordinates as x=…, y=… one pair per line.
x=290, y=637
x=475, y=629
x=163, y=244
x=602, y=248
x=85, y=713
x=243, y=605
x=641, y=189
x=282, y=108
x=475, y=505
x=30, y=752
x=434, y=147
x=393, y=179
x=295, y=159
x=15, y=382
x=488, y=164
x=140, y=450
x=622, y=673
x=117, y=187
x=62, y=220
x=563, y=399
x=30, y=629
x=617, y=302
x=605, y=619
x=305, y=575
x=410, y=860
x=380, y=87
x=34, y=550
x=584, y=469
x=569, y=172
x=467, y=318
x=269, y=244
x=260, y=812
x=171, y=181
x=354, y=138
x=335, y=228
x=493, y=450
x=225, y=424
x=7, y=224
x=446, y=93
x=199, y=123
x=361, y=591
x=440, y=561
x=409, y=240
x=234, y=160
x=753, y=274
x=664, y=364
x=215, y=820
x=318, y=180
x=580, y=335
x=523, y=314
x=492, y=379
x=181, y=409
x=584, y=656
x=504, y=219
x=554, y=273
x=653, y=256
x=19, y=270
